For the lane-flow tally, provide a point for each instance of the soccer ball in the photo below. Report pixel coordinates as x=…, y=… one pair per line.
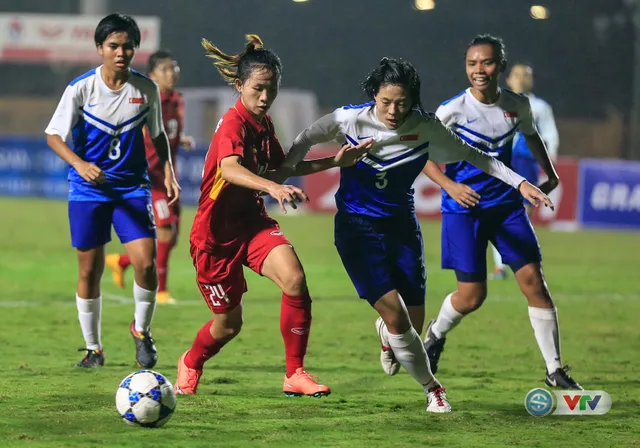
x=145, y=398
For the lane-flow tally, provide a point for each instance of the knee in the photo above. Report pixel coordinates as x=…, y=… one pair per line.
x=232, y=330
x=397, y=321
x=89, y=274
x=229, y=329
x=534, y=287
x=294, y=283
x=531, y=279
x=146, y=268
x=472, y=299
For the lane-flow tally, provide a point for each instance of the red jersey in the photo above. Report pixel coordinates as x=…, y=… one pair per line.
x=173, y=120
x=225, y=211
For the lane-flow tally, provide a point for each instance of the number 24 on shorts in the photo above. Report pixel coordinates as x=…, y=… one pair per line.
x=216, y=294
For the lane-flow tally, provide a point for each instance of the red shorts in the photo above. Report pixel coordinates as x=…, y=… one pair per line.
x=220, y=276
x=165, y=214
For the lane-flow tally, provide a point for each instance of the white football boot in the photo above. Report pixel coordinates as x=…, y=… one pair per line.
x=389, y=363
x=437, y=400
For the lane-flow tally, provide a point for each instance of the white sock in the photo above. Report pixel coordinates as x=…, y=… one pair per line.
x=145, y=307
x=409, y=351
x=89, y=311
x=545, y=327
x=447, y=319
x=497, y=258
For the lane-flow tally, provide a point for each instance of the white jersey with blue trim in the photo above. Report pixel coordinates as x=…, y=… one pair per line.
x=106, y=128
x=546, y=124
x=381, y=184
x=489, y=128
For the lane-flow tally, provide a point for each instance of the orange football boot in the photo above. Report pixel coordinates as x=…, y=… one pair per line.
x=187, y=380
x=164, y=298
x=113, y=262
x=301, y=383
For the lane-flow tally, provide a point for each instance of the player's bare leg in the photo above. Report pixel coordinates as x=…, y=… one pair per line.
x=89, y=304
x=283, y=267
x=544, y=320
x=416, y=314
x=208, y=342
x=142, y=253
x=167, y=238
x=468, y=298
x=409, y=350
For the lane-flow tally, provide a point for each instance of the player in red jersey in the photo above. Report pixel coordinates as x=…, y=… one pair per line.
x=164, y=70
x=232, y=228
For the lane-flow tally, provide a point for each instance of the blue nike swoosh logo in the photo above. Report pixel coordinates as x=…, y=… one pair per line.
x=364, y=138
x=471, y=121
x=91, y=105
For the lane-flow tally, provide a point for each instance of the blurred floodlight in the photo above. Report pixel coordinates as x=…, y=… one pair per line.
x=539, y=12
x=424, y=5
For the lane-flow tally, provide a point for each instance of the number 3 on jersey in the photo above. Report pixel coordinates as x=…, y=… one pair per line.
x=114, y=149
x=382, y=181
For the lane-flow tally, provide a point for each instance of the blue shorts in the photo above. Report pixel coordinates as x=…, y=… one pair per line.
x=465, y=238
x=381, y=255
x=90, y=221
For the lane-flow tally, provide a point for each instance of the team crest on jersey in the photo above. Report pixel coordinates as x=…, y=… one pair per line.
x=508, y=114
x=412, y=137
x=137, y=100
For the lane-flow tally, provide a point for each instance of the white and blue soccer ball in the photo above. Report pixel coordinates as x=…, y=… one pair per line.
x=145, y=398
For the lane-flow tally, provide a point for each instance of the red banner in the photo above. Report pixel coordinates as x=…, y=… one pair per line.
x=321, y=188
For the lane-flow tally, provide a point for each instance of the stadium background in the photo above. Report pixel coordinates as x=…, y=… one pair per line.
x=587, y=66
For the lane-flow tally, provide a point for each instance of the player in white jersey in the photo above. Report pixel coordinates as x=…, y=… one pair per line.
x=376, y=231
x=520, y=80
x=488, y=117
x=104, y=112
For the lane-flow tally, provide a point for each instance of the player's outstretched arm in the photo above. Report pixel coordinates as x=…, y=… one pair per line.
x=539, y=151
x=449, y=148
x=233, y=172
x=161, y=144
x=88, y=171
x=461, y=193
x=323, y=130
x=348, y=155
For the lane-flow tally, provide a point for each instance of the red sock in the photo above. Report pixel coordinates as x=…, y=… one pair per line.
x=295, y=324
x=164, y=249
x=204, y=347
x=124, y=261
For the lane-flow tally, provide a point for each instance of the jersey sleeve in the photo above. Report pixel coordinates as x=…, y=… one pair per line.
x=527, y=125
x=324, y=130
x=447, y=147
x=67, y=113
x=546, y=125
x=230, y=140
x=154, y=118
x=445, y=115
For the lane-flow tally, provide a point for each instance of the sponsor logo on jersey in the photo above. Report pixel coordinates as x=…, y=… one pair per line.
x=137, y=100
x=411, y=137
x=508, y=114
